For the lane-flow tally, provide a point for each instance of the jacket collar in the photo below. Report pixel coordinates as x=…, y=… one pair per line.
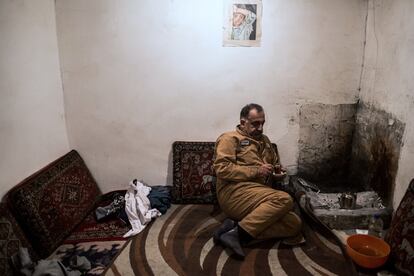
x=240, y=131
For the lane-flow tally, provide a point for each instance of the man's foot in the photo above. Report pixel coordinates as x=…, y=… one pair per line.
x=294, y=241
x=227, y=225
x=231, y=240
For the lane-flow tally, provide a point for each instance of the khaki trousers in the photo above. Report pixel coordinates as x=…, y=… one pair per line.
x=262, y=212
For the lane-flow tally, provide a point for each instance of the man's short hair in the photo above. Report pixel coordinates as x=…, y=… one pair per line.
x=244, y=113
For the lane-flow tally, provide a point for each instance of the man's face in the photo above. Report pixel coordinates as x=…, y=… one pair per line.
x=253, y=124
x=238, y=19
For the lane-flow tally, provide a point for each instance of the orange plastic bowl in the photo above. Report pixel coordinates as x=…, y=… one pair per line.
x=367, y=251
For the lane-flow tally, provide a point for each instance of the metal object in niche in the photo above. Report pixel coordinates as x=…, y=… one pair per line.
x=347, y=200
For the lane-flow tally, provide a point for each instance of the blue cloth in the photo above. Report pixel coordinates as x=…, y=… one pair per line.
x=160, y=198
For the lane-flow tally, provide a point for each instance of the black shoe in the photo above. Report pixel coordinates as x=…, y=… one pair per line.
x=231, y=240
x=227, y=225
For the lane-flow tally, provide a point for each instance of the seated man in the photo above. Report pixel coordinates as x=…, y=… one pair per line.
x=245, y=165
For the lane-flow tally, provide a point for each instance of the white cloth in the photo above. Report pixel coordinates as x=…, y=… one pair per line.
x=137, y=207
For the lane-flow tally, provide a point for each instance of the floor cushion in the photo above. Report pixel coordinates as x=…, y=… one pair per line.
x=51, y=203
x=193, y=174
x=400, y=236
x=11, y=239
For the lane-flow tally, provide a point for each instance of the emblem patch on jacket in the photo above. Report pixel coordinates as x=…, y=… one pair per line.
x=244, y=142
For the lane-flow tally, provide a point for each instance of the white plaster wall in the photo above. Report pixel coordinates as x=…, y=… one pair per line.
x=139, y=75
x=32, y=123
x=388, y=81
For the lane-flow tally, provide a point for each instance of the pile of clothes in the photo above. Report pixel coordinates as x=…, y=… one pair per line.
x=138, y=206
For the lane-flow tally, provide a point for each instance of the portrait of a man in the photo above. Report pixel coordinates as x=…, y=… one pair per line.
x=242, y=23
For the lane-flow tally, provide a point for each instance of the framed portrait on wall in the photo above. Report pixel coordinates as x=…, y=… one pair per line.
x=242, y=23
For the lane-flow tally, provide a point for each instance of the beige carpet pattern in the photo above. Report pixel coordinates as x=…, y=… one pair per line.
x=180, y=243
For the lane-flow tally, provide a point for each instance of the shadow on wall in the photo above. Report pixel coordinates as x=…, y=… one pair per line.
x=169, y=180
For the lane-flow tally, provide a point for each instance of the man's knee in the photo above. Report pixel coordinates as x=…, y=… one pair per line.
x=285, y=199
x=289, y=226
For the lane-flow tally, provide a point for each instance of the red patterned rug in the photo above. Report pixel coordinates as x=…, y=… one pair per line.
x=180, y=242
x=99, y=242
x=50, y=203
x=193, y=175
x=401, y=234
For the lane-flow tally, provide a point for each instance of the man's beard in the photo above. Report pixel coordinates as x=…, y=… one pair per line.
x=256, y=133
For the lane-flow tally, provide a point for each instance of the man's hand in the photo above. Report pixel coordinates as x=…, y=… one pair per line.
x=279, y=176
x=265, y=170
x=279, y=173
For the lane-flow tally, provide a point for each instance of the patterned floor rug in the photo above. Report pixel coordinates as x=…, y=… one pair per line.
x=99, y=242
x=180, y=243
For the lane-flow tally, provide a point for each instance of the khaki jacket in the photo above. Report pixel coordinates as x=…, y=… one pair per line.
x=238, y=157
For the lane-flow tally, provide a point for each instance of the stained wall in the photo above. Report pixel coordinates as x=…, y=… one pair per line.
x=139, y=75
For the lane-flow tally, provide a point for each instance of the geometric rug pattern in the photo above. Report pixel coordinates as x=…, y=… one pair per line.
x=50, y=203
x=99, y=242
x=180, y=243
x=99, y=254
